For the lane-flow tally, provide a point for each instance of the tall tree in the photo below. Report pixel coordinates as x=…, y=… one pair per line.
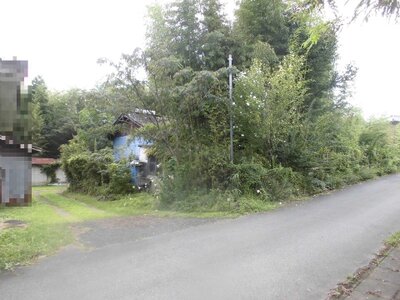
x=213, y=16
x=215, y=35
x=183, y=22
x=387, y=8
x=268, y=110
x=263, y=20
x=320, y=67
x=41, y=113
x=158, y=33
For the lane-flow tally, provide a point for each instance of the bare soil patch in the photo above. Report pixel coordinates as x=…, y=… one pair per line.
x=12, y=224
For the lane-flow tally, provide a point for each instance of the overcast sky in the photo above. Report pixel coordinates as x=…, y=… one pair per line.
x=63, y=39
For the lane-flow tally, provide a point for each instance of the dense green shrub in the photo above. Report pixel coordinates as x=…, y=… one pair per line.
x=283, y=183
x=95, y=172
x=270, y=184
x=367, y=173
x=119, y=178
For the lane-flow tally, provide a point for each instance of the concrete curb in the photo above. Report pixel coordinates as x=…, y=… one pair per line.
x=383, y=282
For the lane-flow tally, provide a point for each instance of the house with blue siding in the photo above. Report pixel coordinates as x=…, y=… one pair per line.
x=135, y=149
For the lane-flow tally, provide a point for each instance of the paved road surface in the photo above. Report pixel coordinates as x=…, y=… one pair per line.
x=297, y=252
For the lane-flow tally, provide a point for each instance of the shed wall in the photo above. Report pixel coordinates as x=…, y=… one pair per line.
x=15, y=178
x=126, y=148
x=38, y=178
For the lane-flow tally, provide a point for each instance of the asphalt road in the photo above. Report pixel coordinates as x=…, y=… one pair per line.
x=296, y=252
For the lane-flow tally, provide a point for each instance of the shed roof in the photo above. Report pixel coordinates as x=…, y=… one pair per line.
x=43, y=161
x=138, y=118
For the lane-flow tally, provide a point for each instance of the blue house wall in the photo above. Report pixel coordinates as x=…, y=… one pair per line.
x=126, y=147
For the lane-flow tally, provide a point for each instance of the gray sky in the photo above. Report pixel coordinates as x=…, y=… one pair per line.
x=63, y=39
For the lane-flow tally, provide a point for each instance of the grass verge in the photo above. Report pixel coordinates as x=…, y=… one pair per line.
x=394, y=240
x=142, y=204
x=46, y=226
x=45, y=232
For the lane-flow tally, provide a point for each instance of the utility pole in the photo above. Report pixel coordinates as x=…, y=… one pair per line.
x=231, y=107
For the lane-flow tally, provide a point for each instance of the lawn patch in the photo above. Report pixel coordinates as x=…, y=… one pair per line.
x=78, y=211
x=143, y=204
x=43, y=233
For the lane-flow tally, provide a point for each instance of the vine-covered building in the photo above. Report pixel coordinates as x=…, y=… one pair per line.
x=135, y=149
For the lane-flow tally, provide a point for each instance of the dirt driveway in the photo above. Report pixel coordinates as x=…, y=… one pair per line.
x=105, y=232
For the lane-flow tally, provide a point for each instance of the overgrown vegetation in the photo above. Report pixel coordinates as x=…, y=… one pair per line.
x=95, y=172
x=50, y=171
x=294, y=131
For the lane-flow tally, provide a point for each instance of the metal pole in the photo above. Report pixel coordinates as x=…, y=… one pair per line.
x=231, y=107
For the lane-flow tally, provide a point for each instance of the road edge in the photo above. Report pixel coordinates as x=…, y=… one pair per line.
x=345, y=288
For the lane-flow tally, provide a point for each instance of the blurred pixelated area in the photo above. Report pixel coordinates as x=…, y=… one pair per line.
x=15, y=135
